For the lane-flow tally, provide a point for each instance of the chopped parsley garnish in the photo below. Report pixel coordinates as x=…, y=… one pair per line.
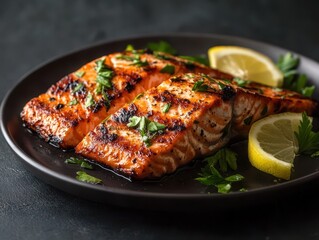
x=240, y=82
x=84, y=177
x=140, y=63
x=129, y=47
x=210, y=176
x=166, y=107
x=161, y=56
x=277, y=89
x=82, y=163
x=165, y=47
x=104, y=76
x=209, y=78
x=199, y=86
x=168, y=69
x=73, y=102
x=147, y=128
x=78, y=87
x=161, y=46
x=79, y=74
x=139, y=96
x=221, y=85
x=104, y=80
x=202, y=59
x=315, y=154
x=86, y=165
x=135, y=59
x=89, y=101
x=308, y=140
x=294, y=81
x=126, y=58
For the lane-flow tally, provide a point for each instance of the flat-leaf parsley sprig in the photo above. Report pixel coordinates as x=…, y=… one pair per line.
x=163, y=46
x=294, y=81
x=308, y=140
x=84, y=177
x=210, y=176
x=147, y=128
x=80, y=162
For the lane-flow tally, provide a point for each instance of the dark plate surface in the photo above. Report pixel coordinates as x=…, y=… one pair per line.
x=178, y=191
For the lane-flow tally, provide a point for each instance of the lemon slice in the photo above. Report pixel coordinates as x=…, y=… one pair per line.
x=246, y=64
x=272, y=144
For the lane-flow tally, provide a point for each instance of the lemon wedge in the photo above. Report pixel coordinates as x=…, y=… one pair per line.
x=246, y=64
x=272, y=145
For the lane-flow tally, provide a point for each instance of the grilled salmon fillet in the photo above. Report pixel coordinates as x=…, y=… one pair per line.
x=203, y=114
x=78, y=102
x=195, y=124
x=254, y=101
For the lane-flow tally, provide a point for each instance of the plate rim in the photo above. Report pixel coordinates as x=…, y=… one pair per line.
x=127, y=192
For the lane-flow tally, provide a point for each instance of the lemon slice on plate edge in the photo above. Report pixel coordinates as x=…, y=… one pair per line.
x=245, y=63
x=272, y=145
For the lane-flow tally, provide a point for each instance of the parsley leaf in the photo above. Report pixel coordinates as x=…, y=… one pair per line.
x=78, y=87
x=308, y=140
x=199, y=86
x=89, y=101
x=73, y=160
x=140, y=63
x=155, y=127
x=315, y=154
x=86, y=165
x=104, y=76
x=134, y=121
x=294, y=81
x=82, y=163
x=79, y=74
x=147, y=128
x=165, y=47
x=129, y=47
x=168, y=69
x=210, y=176
x=166, y=107
x=224, y=157
x=202, y=59
x=84, y=177
x=161, y=46
x=73, y=102
x=240, y=82
x=135, y=59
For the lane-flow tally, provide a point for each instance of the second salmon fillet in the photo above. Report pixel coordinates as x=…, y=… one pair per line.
x=164, y=129
x=186, y=116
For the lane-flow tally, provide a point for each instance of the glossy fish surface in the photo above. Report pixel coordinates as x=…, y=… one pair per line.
x=81, y=100
x=195, y=124
x=204, y=113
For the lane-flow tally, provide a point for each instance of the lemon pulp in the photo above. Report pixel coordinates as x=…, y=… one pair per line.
x=272, y=145
x=245, y=63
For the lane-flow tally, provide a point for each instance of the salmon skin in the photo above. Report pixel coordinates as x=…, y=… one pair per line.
x=201, y=114
x=78, y=102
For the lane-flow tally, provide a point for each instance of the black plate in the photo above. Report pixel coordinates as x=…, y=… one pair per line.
x=178, y=191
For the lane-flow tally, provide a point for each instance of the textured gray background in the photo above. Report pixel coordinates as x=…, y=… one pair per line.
x=34, y=31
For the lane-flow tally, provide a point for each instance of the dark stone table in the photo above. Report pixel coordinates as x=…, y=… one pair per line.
x=36, y=30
